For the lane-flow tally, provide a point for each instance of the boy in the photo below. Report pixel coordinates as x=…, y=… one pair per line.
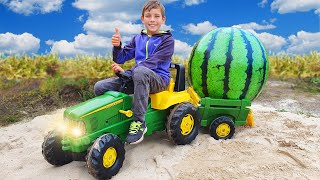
x=152, y=50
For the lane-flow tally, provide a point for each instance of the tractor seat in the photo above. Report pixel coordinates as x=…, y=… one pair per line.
x=175, y=92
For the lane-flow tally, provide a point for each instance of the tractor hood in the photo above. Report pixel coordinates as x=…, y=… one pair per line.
x=91, y=106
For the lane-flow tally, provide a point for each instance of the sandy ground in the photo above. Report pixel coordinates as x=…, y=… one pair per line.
x=283, y=144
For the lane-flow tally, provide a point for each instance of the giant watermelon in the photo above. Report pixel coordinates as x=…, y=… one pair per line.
x=228, y=63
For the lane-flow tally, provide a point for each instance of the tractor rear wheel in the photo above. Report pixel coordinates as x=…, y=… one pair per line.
x=106, y=156
x=183, y=123
x=52, y=150
x=222, y=128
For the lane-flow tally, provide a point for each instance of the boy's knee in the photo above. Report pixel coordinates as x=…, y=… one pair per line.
x=140, y=72
x=98, y=88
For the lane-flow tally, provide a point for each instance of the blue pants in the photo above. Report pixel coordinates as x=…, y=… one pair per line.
x=145, y=82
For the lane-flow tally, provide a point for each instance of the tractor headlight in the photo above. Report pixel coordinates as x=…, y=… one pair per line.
x=74, y=128
x=79, y=129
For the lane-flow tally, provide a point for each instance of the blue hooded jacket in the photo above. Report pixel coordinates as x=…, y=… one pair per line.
x=154, y=52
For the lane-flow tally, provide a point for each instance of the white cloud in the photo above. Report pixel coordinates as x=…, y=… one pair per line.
x=290, y=6
x=50, y=42
x=65, y=48
x=273, y=20
x=182, y=48
x=103, y=13
x=103, y=17
x=272, y=43
x=200, y=28
x=107, y=27
x=169, y=1
x=28, y=7
x=304, y=42
x=263, y=3
x=193, y=2
x=166, y=27
x=18, y=44
x=83, y=41
x=81, y=18
x=101, y=10
x=255, y=26
x=82, y=44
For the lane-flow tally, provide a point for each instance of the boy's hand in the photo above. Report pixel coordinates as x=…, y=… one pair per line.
x=116, y=38
x=116, y=68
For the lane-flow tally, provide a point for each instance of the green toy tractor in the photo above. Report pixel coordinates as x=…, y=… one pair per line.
x=94, y=131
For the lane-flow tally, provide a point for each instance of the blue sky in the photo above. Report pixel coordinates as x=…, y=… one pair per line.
x=71, y=27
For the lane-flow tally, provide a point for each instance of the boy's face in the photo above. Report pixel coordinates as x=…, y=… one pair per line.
x=153, y=20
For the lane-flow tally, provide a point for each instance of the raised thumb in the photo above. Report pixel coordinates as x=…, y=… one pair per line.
x=117, y=31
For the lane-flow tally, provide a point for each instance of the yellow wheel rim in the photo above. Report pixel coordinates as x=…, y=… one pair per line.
x=187, y=124
x=223, y=130
x=109, y=157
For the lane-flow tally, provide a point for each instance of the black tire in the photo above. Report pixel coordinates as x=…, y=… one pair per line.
x=52, y=150
x=222, y=128
x=95, y=158
x=176, y=134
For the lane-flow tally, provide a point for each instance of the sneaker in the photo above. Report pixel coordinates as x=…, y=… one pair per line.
x=136, y=132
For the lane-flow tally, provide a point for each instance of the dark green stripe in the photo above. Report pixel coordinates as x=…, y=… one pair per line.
x=249, y=68
x=264, y=66
x=227, y=66
x=204, y=65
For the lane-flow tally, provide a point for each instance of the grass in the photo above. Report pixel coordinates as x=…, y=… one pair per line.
x=282, y=110
x=34, y=97
x=311, y=85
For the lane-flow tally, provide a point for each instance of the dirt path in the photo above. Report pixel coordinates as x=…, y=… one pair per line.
x=285, y=98
x=283, y=144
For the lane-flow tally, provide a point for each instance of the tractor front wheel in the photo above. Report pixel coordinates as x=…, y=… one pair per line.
x=106, y=156
x=183, y=123
x=52, y=150
x=222, y=128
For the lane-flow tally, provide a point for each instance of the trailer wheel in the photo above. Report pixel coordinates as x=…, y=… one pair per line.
x=183, y=123
x=106, y=156
x=222, y=128
x=52, y=150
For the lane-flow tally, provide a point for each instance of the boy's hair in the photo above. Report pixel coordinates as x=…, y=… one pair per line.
x=153, y=4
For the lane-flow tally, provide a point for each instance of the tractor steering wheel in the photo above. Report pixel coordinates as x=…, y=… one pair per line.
x=126, y=80
x=124, y=76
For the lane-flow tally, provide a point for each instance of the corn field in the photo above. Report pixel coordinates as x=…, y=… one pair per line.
x=295, y=67
x=97, y=67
